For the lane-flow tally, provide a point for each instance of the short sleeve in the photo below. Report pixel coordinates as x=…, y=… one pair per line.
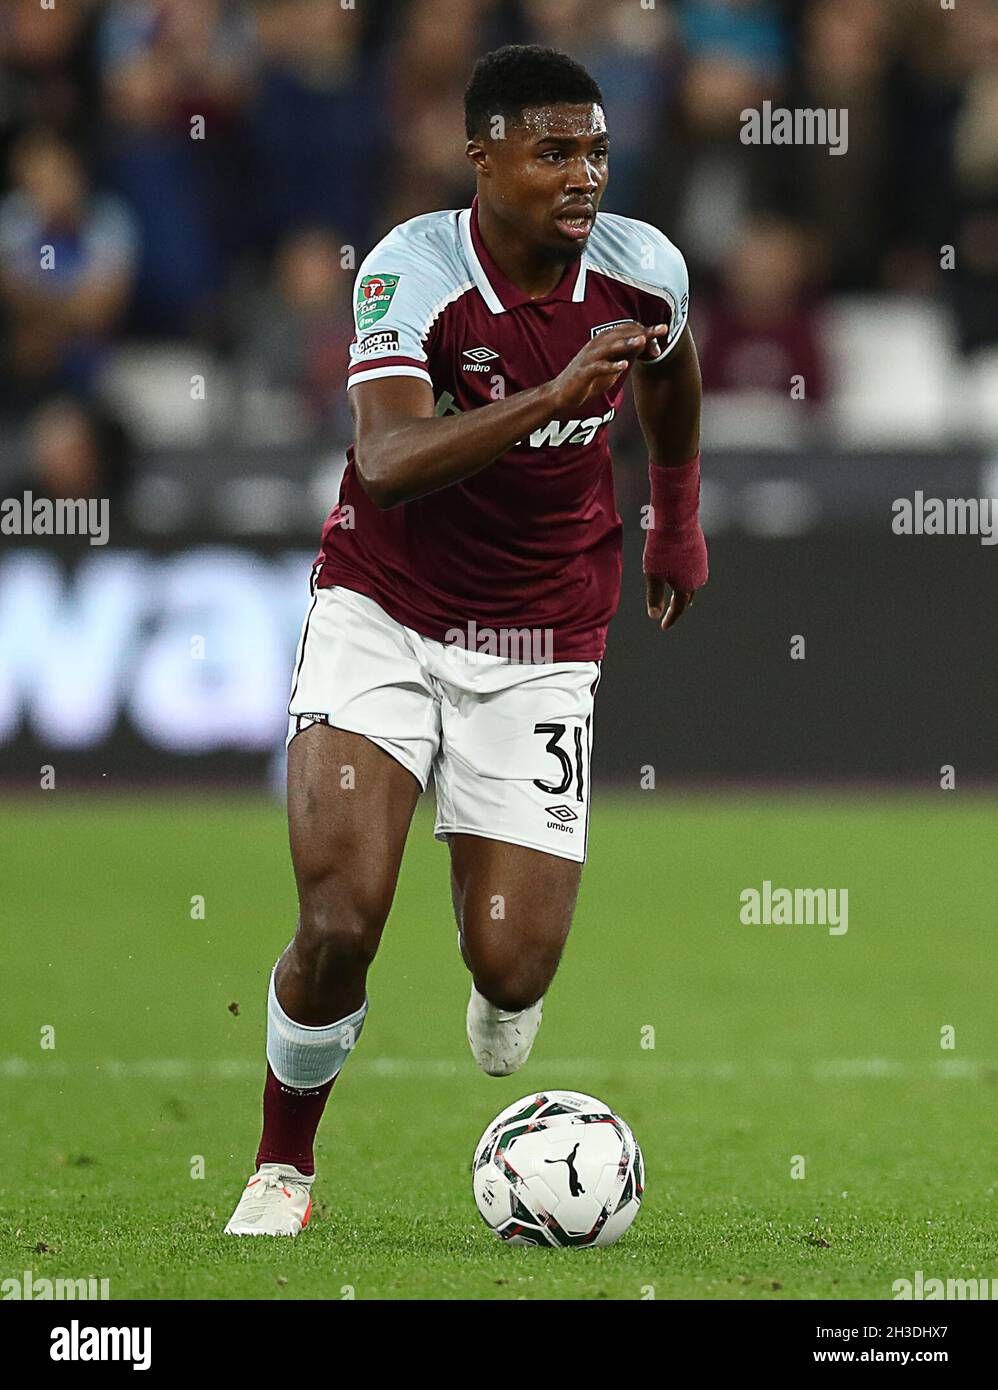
x=661, y=271
x=397, y=297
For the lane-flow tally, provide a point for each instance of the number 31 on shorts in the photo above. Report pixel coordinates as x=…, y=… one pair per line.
x=565, y=745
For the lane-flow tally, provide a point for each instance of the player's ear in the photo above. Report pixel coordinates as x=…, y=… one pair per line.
x=477, y=153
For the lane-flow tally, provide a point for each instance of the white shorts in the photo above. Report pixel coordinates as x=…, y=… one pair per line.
x=508, y=742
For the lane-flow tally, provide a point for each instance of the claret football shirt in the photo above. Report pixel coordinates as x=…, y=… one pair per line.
x=532, y=541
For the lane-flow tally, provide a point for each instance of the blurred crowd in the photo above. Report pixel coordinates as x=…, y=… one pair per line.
x=205, y=175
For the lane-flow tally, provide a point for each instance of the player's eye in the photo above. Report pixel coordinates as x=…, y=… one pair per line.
x=552, y=154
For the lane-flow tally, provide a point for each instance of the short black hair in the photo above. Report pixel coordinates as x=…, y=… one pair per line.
x=508, y=80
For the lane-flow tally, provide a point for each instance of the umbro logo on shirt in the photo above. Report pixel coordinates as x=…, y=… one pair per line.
x=563, y=813
x=479, y=359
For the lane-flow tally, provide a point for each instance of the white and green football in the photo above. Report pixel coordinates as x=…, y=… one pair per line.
x=558, y=1168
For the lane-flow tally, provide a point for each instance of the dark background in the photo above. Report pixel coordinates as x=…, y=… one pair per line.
x=898, y=677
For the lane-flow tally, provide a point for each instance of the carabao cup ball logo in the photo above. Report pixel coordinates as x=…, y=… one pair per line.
x=374, y=295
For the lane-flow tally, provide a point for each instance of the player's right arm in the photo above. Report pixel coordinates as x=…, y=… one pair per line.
x=403, y=450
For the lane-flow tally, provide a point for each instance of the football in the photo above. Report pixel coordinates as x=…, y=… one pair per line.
x=558, y=1168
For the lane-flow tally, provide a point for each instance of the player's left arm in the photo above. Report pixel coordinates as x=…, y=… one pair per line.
x=667, y=397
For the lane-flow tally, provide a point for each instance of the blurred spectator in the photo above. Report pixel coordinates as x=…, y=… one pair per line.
x=296, y=333
x=975, y=176
x=324, y=125
x=426, y=82
x=208, y=49
x=67, y=260
x=45, y=70
x=845, y=64
x=74, y=449
x=760, y=328
x=315, y=123
x=736, y=57
x=626, y=48
x=165, y=62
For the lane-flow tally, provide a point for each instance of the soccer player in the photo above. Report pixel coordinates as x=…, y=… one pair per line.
x=460, y=601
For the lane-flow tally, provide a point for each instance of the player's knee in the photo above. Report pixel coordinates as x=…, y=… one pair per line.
x=340, y=921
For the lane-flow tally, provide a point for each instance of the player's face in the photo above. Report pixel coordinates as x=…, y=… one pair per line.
x=546, y=177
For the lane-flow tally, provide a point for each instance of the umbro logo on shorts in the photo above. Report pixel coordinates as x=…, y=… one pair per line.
x=562, y=813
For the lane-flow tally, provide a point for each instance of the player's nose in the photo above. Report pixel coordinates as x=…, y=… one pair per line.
x=583, y=177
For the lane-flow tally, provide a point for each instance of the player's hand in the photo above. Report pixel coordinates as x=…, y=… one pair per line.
x=655, y=589
x=598, y=365
x=653, y=347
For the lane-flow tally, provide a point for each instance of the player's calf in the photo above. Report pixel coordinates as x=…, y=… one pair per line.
x=513, y=954
x=323, y=973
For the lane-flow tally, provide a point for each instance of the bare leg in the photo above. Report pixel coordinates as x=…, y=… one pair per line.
x=514, y=909
x=348, y=831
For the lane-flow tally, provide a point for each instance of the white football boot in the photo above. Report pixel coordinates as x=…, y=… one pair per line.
x=277, y=1201
x=500, y=1040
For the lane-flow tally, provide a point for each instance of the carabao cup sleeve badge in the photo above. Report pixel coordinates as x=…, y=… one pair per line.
x=374, y=295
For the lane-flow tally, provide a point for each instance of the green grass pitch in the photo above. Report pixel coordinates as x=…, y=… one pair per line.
x=769, y=1042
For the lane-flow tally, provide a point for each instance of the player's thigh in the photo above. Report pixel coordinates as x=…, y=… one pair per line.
x=514, y=907
x=350, y=805
x=363, y=730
